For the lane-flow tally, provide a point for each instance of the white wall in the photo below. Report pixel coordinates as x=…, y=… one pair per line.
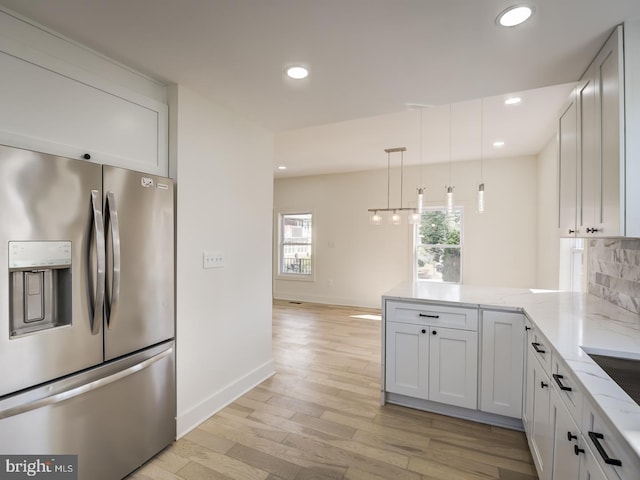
x=224, y=197
x=356, y=262
x=548, y=251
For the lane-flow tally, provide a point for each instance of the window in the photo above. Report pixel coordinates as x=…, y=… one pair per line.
x=439, y=246
x=296, y=245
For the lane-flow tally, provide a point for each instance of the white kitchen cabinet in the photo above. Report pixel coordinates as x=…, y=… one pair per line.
x=453, y=367
x=407, y=359
x=602, y=140
x=566, y=438
x=568, y=168
x=587, y=168
x=431, y=352
x=50, y=105
x=597, y=131
x=539, y=434
x=613, y=454
x=589, y=468
x=432, y=363
x=502, y=362
x=527, y=391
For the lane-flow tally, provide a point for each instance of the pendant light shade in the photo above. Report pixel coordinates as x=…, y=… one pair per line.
x=449, y=199
x=375, y=218
x=481, y=198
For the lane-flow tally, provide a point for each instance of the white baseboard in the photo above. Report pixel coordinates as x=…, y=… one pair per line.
x=349, y=302
x=193, y=417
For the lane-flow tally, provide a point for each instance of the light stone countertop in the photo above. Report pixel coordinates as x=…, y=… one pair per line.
x=568, y=321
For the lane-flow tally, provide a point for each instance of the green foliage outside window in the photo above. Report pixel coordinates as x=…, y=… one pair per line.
x=439, y=253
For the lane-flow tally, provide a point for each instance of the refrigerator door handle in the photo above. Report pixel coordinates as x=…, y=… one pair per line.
x=112, y=220
x=98, y=304
x=87, y=387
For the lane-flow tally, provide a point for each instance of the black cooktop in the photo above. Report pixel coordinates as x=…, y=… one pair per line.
x=624, y=371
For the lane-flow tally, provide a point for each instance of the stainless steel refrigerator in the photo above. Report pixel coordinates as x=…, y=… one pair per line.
x=86, y=312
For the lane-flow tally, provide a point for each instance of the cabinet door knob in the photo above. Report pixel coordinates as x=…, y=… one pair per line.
x=543, y=385
x=526, y=328
x=592, y=230
x=570, y=436
x=86, y=156
x=571, y=231
x=433, y=332
x=577, y=450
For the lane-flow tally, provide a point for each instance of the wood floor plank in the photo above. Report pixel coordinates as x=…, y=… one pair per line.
x=320, y=417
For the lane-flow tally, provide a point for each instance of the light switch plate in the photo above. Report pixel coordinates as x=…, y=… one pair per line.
x=212, y=259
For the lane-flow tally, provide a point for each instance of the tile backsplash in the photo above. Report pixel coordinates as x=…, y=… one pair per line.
x=614, y=271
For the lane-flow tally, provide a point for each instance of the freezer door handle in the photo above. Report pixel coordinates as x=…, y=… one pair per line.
x=61, y=396
x=98, y=304
x=111, y=219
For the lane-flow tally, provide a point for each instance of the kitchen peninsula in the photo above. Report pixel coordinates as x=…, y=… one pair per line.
x=575, y=416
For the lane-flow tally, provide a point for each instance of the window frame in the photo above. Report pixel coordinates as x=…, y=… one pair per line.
x=417, y=245
x=280, y=244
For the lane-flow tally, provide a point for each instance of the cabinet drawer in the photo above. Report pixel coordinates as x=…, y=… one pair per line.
x=434, y=315
x=567, y=387
x=540, y=348
x=612, y=453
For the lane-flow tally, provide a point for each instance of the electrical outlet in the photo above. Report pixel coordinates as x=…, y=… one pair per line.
x=212, y=259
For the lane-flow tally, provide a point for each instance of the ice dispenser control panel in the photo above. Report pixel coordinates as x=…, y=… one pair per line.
x=39, y=254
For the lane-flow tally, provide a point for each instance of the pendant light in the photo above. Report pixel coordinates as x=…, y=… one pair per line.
x=395, y=218
x=449, y=188
x=481, y=185
x=415, y=217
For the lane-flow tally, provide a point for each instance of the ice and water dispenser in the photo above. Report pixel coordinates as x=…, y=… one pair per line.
x=40, y=286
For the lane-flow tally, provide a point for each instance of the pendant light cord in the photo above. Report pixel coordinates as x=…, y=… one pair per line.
x=450, y=135
x=481, y=140
x=388, y=177
x=421, y=147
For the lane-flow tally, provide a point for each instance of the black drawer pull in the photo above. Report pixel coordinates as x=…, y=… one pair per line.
x=426, y=315
x=595, y=438
x=543, y=385
x=557, y=378
x=535, y=346
x=577, y=450
x=571, y=436
x=526, y=329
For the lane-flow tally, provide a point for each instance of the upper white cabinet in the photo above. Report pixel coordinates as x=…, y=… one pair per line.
x=502, y=364
x=598, y=136
x=568, y=168
x=63, y=101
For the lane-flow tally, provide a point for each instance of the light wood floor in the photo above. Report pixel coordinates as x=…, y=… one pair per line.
x=319, y=417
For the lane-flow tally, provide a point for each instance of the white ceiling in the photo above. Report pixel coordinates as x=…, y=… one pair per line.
x=368, y=58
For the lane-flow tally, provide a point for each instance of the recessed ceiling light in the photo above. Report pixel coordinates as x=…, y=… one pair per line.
x=498, y=143
x=513, y=101
x=514, y=15
x=282, y=167
x=296, y=72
